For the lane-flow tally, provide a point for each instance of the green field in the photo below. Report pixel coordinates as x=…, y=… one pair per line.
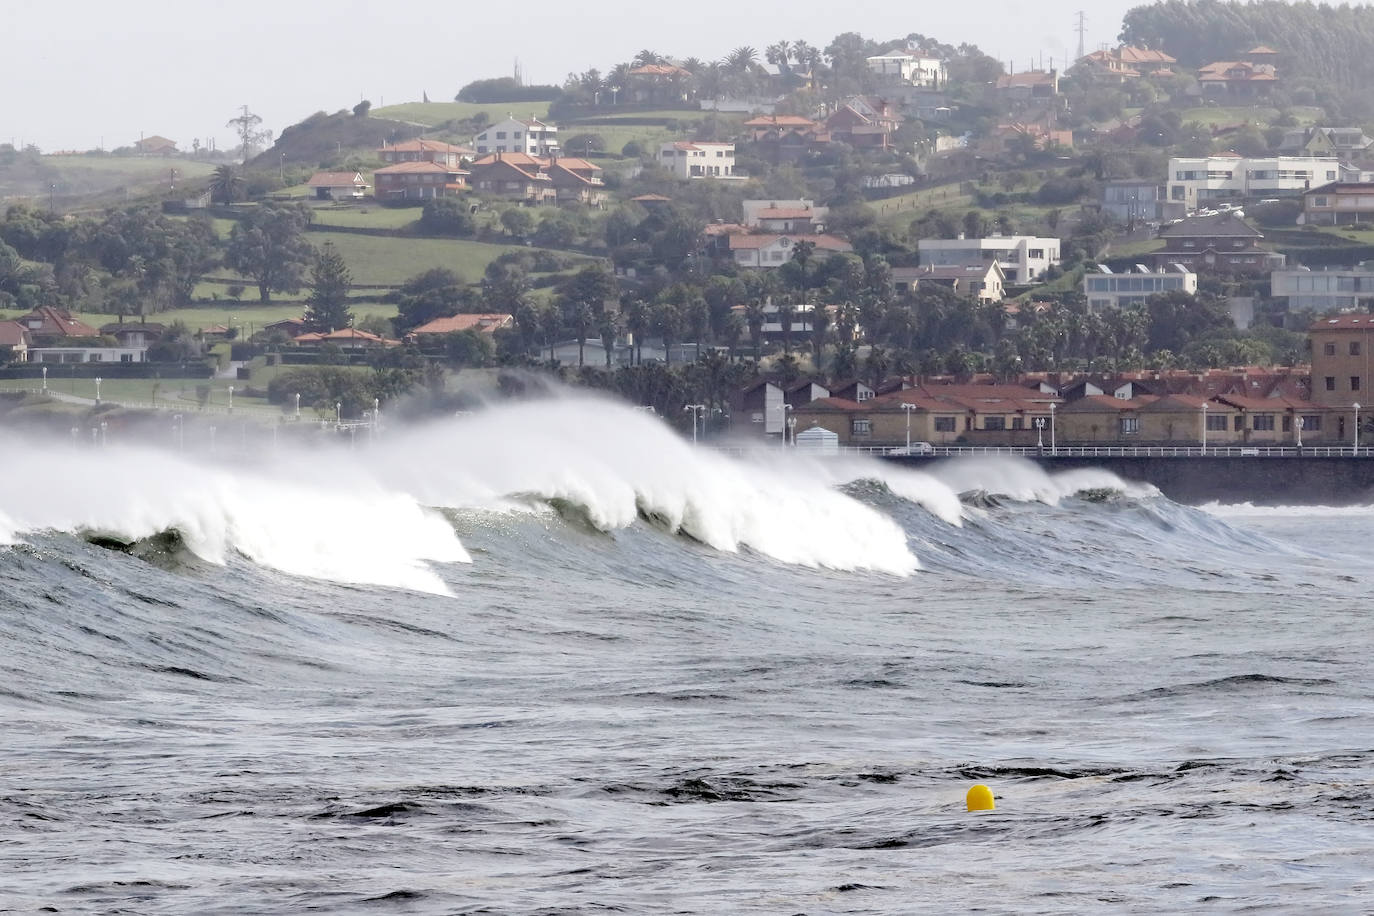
x=366, y=216
x=390, y=261
x=431, y=113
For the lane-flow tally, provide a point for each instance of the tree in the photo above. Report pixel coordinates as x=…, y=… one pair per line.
x=517, y=221
x=668, y=321
x=786, y=311
x=327, y=308
x=269, y=246
x=226, y=185
x=802, y=253
x=246, y=126
x=361, y=109
x=447, y=216
x=607, y=327
x=755, y=317
x=820, y=325
x=583, y=320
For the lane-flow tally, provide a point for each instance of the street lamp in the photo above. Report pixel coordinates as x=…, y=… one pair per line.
x=45, y=379
x=1204, y=427
x=786, y=425
x=1356, y=405
x=1040, y=432
x=907, y=409
x=376, y=415
x=231, y=398
x=1300, y=425
x=792, y=430
x=1054, y=447
x=103, y=439
x=298, y=406
x=696, y=410
x=97, y=392
x=338, y=412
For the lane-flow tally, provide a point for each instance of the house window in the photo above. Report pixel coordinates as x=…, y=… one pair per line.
x=861, y=427
x=1239, y=423
x=863, y=395
x=1287, y=424
x=994, y=423
x=1130, y=425
x=1354, y=348
x=1330, y=383
x=1216, y=423
x=1263, y=422
x=1319, y=202
x=1354, y=383
x=1312, y=422
x=500, y=135
x=1329, y=349
x=944, y=424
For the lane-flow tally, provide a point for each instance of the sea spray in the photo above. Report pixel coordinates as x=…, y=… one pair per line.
x=343, y=528
x=618, y=465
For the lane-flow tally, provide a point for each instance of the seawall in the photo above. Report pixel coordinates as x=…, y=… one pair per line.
x=1266, y=481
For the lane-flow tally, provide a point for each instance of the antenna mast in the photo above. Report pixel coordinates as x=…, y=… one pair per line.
x=1082, y=29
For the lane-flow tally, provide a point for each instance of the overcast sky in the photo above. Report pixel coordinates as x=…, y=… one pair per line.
x=84, y=73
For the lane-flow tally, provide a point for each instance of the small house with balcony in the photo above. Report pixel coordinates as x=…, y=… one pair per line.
x=420, y=180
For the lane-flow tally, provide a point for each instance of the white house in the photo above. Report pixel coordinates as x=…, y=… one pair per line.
x=513, y=135
x=1201, y=181
x=1023, y=258
x=769, y=251
x=698, y=159
x=785, y=215
x=1105, y=289
x=88, y=354
x=909, y=70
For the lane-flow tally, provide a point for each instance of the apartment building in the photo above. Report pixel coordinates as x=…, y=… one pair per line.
x=1200, y=182
x=1023, y=258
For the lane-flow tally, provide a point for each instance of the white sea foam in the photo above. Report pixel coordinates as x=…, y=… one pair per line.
x=341, y=527
x=1024, y=480
x=618, y=463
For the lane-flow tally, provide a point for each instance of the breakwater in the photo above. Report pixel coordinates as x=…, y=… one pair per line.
x=1262, y=480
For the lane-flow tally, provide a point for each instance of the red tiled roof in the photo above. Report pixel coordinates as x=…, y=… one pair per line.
x=1344, y=322
x=56, y=323
x=423, y=166
x=486, y=322
x=336, y=180
x=659, y=70
x=13, y=334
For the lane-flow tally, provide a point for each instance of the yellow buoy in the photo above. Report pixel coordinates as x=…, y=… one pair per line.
x=980, y=798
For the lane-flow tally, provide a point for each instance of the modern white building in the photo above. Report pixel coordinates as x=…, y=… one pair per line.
x=1196, y=183
x=88, y=354
x=698, y=159
x=1105, y=289
x=910, y=70
x=1023, y=258
x=1346, y=289
x=513, y=135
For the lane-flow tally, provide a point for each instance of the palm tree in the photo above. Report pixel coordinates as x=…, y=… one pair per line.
x=785, y=312
x=608, y=327
x=732, y=332
x=582, y=320
x=877, y=364
x=668, y=319
x=742, y=59
x=637, y=323
x=225, y=184
x=819, y=317
x=646, y=58
x=778, y=55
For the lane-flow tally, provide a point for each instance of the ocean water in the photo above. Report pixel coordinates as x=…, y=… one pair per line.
x=550, y=658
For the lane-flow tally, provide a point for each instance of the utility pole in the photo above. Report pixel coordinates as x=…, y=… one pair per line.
x=1082, y=30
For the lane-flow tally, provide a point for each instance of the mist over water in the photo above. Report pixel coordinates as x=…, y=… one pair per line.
x=552, y=658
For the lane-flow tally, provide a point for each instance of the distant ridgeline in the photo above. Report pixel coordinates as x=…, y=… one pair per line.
x=1327, y=50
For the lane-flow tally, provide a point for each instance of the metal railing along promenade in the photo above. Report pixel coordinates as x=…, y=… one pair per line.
x=1067, y=451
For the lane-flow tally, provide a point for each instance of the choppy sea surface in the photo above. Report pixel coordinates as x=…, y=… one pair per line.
x=559, y=661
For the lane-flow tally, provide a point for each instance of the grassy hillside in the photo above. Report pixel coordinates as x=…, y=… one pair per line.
x=428, y=114
x=74, y=179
